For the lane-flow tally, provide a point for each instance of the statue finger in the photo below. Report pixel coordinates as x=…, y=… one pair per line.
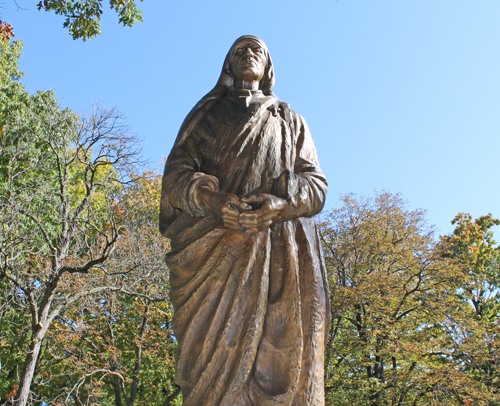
x=232, y=224
x=259, y=212
x=250, y=221
x=231, y=220
x=229, y=211
x=239, y=204
x=249, y=216
x=258, y=223
x=252, y=199
x=248, y=224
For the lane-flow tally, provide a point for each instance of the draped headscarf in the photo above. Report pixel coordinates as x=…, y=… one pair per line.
x=226, y=82
x=224, y=85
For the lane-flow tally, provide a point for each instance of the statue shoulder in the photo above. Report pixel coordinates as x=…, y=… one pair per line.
x=283, y=110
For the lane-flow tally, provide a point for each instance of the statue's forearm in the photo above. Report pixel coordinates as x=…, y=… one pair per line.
x=304, y=192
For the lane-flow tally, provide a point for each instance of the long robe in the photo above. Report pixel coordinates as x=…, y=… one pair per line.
x=251, y=310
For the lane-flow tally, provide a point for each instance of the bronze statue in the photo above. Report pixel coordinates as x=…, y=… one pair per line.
x=247, y=275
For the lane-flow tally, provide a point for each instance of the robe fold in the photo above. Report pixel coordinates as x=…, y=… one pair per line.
x=251, y=310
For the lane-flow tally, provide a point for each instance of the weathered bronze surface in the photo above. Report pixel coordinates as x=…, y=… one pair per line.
x=248, y=281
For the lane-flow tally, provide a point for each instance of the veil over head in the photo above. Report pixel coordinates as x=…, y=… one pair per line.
x=226, y=83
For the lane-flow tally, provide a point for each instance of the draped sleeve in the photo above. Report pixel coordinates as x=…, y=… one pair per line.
x=182, y=178
x=305, y=187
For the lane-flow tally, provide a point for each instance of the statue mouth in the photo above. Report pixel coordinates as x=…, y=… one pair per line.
x=249, y=62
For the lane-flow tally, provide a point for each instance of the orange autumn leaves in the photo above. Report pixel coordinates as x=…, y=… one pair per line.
x=6, y=31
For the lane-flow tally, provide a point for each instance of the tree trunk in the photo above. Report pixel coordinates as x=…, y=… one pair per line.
x=39, y=327
x=172, y=396
x=29, y=369
x=116, y=387
x=138, y=358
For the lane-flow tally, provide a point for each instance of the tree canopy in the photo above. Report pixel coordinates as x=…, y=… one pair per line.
x=69, y=235
x=402, y=331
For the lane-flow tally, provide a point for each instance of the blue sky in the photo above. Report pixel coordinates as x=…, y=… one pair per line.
x=399, y=95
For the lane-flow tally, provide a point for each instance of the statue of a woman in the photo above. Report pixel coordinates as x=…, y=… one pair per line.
x=247, y=276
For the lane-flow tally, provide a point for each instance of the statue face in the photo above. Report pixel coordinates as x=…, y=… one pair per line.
x=248, y=61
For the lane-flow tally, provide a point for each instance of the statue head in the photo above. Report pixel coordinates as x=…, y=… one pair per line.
x=247, y=59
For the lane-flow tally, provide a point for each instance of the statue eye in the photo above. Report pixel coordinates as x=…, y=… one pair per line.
x=257, y=50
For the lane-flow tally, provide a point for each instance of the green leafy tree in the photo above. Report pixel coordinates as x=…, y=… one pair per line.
x=83, y=16
x=397, y=320
x=60, y=182
x=477, y=254
x=13, y=97
x=473, y=246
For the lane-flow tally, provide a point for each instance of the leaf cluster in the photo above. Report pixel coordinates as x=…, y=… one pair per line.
x=6, y=31
x=83, y=16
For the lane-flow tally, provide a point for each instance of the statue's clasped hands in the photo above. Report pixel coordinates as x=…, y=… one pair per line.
x=266, y=210
x=251, y=214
